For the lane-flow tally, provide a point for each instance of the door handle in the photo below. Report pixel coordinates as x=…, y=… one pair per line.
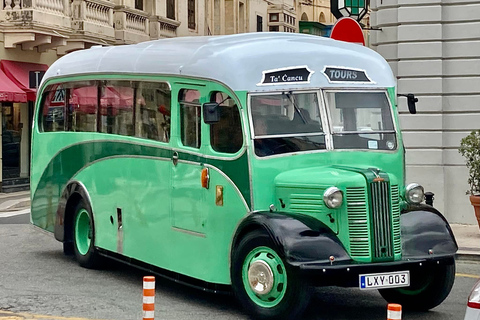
x=175, y=158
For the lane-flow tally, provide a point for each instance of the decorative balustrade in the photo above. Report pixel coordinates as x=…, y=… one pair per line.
x=93, y=16
x=78, y=24
x=136, y=22
x=98, y=13
x=161, y=27
x=131, y=25
x=52, y=6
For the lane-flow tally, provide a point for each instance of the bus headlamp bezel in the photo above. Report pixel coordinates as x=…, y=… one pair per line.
x=414, y=193
x=333, y=198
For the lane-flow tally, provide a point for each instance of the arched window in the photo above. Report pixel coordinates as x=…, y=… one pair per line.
x=304, y=17
x=322, y=18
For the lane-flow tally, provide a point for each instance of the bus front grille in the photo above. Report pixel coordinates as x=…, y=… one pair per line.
x=397, y=241
x=358, y=223
x=381, y=216
x=381, y=219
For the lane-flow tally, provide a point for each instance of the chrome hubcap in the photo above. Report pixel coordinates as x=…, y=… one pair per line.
x=260, y=277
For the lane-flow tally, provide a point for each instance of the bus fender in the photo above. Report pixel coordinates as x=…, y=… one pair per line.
x=425, y=232
x=298, y=239
x=72, y=193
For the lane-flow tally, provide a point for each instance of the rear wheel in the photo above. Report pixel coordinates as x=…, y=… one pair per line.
x=427, y=290
x=84, y=236
x=263, y=283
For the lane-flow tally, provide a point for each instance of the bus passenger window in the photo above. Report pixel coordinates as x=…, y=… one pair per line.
x=82, y=106
x=116, y=108
x=226, y=135
x=153, y=105
x=53, y=104
x=190, y=117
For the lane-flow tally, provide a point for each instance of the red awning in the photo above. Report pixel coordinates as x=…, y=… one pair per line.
x=9, y=91
x=18, y=72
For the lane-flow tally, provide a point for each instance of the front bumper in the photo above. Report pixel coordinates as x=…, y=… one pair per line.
x=346, y=273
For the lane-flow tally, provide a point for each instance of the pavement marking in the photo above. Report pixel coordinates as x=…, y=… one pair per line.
x=14, y=213
x=8, y=315
x=466, y=275
x=14, y=204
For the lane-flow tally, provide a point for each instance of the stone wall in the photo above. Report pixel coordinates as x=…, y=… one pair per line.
x=433, y=47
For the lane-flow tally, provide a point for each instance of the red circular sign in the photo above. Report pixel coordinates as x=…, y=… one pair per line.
x=347, y=29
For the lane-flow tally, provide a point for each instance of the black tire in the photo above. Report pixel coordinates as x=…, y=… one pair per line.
x=427, y=290
x=84, y=237
x=293, y=294
x=68, y=248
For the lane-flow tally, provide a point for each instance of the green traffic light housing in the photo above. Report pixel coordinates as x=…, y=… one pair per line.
x=355, y=9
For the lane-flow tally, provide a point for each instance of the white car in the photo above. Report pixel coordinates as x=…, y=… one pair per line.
x=473, y=305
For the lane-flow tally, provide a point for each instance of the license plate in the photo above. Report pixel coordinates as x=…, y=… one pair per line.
x=384, y=280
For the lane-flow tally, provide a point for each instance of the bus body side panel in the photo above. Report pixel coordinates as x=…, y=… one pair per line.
x=140, y=188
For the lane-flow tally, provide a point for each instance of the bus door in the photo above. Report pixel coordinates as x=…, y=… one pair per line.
x=187, y=194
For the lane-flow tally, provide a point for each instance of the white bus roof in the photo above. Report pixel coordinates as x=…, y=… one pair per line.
x=235, y=60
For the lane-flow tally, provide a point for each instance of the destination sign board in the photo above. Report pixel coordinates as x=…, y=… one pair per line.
x=290, y=75
x=339, y=74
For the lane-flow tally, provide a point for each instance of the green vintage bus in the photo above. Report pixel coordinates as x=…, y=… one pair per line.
x=265, y=163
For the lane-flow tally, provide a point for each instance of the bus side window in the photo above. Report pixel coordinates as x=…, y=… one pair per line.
x=190, y=117
x=116, y=108
x=82, y=106
x=226, y=135
x=53, y=109
x=153, y=105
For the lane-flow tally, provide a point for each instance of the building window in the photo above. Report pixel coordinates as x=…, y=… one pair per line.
x=273, y=28
x=171, y=9
x=191, y=14
x=259, y=23
x=139, y=4
x=274, y=17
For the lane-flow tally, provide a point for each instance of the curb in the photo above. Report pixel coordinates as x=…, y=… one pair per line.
x=467, y=257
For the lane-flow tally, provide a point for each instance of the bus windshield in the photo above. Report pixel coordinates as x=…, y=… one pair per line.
x=361, y=120
x=286, y=122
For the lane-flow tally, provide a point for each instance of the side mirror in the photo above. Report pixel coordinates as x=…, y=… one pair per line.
x=210, y=112
x=411, y=102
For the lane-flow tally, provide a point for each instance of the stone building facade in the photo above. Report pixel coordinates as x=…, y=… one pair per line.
x=433, y=47
x=34, y=33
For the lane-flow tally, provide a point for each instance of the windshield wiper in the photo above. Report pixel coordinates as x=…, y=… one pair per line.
x=293, y=101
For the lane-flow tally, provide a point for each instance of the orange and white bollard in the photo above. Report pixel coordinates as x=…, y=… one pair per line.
x=394, y=311
x=148, y=298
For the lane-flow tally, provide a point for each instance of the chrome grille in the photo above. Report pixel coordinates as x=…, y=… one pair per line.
x=358, y=222
x=397, y=242
x=381, y=219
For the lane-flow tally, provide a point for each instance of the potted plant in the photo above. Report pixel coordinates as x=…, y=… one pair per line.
x=470, y=149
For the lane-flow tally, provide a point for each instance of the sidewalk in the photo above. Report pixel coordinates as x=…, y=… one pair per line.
x=467, y=236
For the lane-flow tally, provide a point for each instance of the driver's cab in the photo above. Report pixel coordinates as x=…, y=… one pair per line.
x=301, y=121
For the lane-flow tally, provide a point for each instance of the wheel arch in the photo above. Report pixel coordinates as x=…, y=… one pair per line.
x=297, y=238
x=425, y=231
x=72, y=194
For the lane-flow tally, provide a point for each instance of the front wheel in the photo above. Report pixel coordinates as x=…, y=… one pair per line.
x=262, y=282
x=84, y=237
x=427, y=289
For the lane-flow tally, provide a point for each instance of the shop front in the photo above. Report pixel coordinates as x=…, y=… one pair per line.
x=18, y=83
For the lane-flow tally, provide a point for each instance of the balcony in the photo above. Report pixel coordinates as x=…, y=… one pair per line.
x=92, y=24
x=161, y=27
x=41, y=24
x=131, y=25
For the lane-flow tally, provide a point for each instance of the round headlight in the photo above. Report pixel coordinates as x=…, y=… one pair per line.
x=333, y=197
x=414, y=193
